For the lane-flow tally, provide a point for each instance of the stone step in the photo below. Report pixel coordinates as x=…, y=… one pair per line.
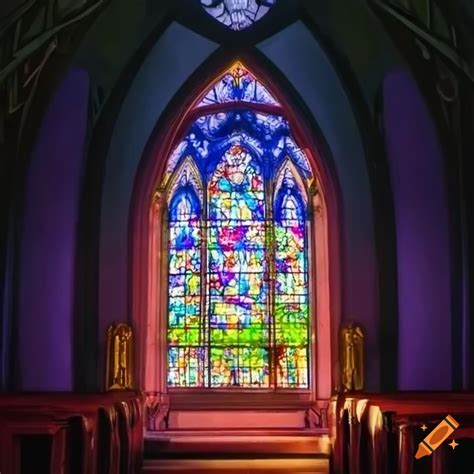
x=313, y=465
x=244, y=442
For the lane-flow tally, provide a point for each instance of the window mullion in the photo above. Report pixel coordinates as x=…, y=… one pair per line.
x=270, y=270
x=204, y=320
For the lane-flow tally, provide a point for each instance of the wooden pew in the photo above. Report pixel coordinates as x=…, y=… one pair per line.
x=344, y=433
x=368, y=428
x=72, y=433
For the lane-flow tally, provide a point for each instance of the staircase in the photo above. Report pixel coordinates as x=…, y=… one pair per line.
x=246, y=451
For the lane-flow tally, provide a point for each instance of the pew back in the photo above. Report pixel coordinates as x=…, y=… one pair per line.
x=65, y=433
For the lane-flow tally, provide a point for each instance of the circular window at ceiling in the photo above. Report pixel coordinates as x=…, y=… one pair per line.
x=237, y=14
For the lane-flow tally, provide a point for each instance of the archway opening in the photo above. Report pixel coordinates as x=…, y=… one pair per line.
x=231, y=272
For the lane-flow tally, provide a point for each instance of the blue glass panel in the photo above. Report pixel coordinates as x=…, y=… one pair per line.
x=184, y=205
x=238, y=84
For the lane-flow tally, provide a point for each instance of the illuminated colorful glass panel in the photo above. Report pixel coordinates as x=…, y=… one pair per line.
x=291, y=285
x=237, y=288
x=237, y=189
x=186, y=351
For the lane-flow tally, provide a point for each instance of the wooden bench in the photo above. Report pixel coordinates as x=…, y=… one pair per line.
x=374, y=433
x=65, y=433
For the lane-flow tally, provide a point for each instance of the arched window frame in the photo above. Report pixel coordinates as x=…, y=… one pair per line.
x=149, y=275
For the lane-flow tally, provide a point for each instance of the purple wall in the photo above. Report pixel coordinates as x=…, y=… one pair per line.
x=422, y=222
x=47, y=247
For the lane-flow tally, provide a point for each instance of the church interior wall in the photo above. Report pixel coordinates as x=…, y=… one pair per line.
x=423, y=237
x=48, y=239
x=331, y=103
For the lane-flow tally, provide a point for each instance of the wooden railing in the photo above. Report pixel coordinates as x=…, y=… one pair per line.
x=62, y=433
x=378, y=434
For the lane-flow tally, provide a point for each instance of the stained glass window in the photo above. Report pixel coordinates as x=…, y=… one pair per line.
x=237, y=14
x=237, y=189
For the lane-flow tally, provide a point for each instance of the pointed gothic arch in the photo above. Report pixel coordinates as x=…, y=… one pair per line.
x=149, y=261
